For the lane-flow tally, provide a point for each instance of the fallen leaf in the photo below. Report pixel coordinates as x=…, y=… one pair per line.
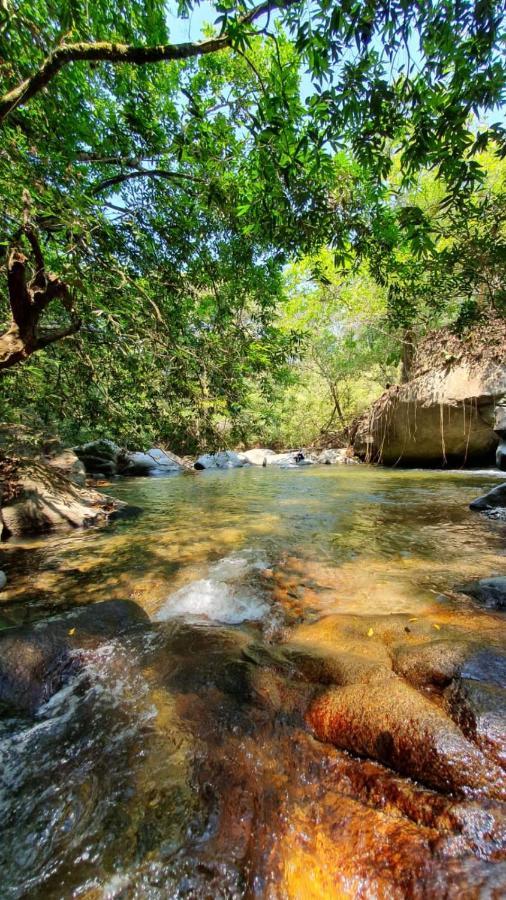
x=370, y=632
x=436, y=626
x=72, y=631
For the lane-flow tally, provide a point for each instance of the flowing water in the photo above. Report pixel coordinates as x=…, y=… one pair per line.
x=178, y=759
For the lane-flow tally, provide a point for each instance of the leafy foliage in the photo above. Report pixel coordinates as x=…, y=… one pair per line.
x=172, y=184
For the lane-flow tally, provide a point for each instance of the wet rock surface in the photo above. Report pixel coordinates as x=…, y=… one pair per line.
x=491, y=592
x=435, y=662
x=35, y=662
x=398, y=726
x=479, y=709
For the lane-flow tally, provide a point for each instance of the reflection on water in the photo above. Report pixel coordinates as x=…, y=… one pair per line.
x=178, y=762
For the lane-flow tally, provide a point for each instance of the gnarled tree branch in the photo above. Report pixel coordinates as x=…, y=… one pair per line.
x=28, y=298
x=112, y=52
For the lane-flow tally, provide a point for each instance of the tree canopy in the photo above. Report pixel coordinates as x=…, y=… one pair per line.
x=154, y=191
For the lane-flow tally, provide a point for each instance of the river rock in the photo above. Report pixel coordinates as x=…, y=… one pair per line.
x=3, y=580
x=334, y=650
x=500, y=420
x=435, y=662
x=224, y=459
x=445, y=413
x=342, y=456
x=36, y=660
x=257, y=456
x=99, y=456
x=500, y=456
x=68, y=463
x=393, y=723
x=154, y=462
x=290, y=459
x=479, y=709
x=491, y=592
x=486, y=665
x=41, y=498
x=494, y=499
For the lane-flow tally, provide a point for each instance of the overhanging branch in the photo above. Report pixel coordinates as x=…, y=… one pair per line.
x=112, y=52
x=144, y=173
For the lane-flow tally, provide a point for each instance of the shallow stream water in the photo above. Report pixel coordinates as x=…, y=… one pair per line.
x=178, y=761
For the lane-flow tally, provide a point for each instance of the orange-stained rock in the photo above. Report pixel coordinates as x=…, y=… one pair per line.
x=394, y=723
x=435, y=662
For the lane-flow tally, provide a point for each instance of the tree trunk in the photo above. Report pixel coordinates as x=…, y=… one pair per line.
x=408, y=353
x=28, y=298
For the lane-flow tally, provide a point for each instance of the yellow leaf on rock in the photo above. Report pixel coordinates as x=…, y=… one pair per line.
x=436, y=626
x=72, y=631
x=370, y=632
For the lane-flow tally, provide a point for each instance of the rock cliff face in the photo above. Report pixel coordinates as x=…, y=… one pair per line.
x=451, y=412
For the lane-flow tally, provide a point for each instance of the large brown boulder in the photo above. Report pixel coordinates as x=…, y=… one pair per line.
x=398, y=726
x=451, y=409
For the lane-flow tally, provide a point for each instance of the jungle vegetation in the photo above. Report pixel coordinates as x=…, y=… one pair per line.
x=240, y=237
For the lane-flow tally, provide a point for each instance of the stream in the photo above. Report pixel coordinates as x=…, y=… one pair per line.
x=192, y=755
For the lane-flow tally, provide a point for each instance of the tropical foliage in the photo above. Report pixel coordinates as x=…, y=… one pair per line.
x=224, y=227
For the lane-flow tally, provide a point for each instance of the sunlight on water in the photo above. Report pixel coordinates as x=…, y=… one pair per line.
x=219, y=598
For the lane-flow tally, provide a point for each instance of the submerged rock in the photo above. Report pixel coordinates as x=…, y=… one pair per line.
x=486, y=665
x=396, y=725
x=35, y=661
x=435, y=662
x=491, y=592
x=40, y=499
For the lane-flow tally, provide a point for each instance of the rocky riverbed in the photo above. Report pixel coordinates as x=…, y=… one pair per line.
x=275, y=682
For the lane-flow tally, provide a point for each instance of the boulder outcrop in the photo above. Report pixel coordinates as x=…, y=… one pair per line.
x=450, y=412
x=38, y=498
x=152, y=463
x=500, y=456
x=104, y=457
x=99, y=457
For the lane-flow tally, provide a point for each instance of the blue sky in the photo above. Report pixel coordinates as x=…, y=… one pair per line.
x=191, y=30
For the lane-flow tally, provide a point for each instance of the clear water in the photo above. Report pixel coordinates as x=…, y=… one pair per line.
x=177, y=763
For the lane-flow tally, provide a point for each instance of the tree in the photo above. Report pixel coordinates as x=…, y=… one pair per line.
x=170, y=183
